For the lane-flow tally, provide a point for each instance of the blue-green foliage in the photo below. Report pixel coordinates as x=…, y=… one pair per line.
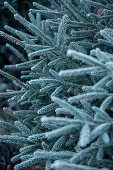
x=22, y=7
x=67, y=83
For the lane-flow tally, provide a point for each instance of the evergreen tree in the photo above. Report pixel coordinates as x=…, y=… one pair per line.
x=67, y=82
